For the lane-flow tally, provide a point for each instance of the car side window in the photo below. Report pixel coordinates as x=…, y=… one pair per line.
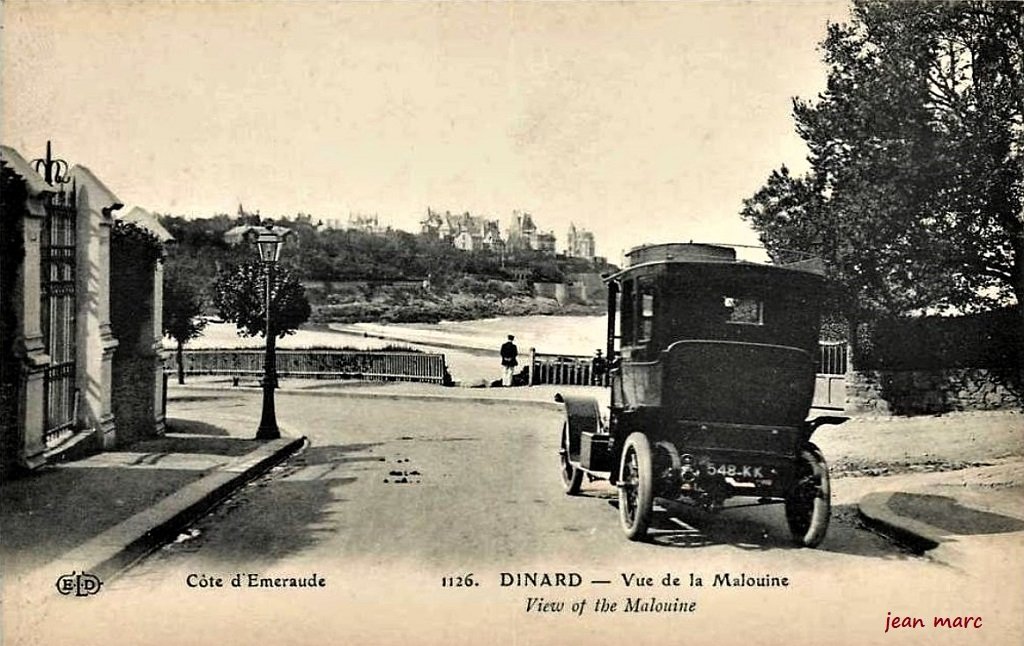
x=645, y=312
x=626, y=311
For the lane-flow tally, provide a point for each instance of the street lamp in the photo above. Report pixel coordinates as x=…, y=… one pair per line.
x=269, y=243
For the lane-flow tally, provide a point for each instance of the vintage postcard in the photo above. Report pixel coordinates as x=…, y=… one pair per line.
x=634, y=322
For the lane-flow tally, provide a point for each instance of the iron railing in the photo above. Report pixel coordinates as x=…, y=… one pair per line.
x=567, y=370
x=579, y=370
x=832, y=358
x=316, y=364
x=59, y=312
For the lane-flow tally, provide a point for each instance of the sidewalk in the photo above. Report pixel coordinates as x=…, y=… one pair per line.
x=102, y=513
x=958, y=518
x=950, y=487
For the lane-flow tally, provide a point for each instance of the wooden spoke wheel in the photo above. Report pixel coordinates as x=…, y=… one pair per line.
x=809, y=503
x=572, y=475
x=636, y=487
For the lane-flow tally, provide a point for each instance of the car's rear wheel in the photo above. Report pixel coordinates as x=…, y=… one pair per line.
x=572, y=476
x=636, y=487
x=809, y=502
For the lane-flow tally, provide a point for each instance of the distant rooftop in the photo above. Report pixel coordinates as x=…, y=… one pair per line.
x=148, y=221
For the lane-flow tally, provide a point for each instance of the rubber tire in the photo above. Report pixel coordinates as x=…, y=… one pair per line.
x=635, y=516
x=572, y=476
x=809, y=523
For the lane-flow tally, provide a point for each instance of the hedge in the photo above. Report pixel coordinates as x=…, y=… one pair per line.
x=983, y=340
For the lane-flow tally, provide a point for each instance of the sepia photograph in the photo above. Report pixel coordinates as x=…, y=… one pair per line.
x=511, y=322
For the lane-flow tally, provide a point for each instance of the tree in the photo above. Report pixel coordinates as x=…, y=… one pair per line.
x=183, y=308
x=916, y=181
x=241, y=298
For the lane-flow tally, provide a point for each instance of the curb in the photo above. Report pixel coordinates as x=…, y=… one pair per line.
x=413, y=396
x=118, y=548
x=918, y=536
x=428, y=397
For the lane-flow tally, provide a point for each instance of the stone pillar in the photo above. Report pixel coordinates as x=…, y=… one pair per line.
x=159, y=423
x=32, y=346
x=96, y=343
x=864, y=393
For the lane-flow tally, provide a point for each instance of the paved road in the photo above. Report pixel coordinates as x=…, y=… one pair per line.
x=394, y=495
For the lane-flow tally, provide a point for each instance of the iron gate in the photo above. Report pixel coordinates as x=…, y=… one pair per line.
x=830, y=380
x=58, y=277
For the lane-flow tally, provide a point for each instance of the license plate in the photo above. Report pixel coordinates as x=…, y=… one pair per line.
x=736, y=471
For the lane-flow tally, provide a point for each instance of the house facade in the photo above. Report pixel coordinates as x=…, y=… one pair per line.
x=463, y=231
x=475, y=233
x=524, y=235
x=579, y=243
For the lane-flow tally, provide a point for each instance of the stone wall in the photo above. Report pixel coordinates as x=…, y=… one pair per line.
x=592, y=288
x=133, y=396
x=136, y=292
x=912, y=392
x=10, y=436
x=562, y=292
x=548, y=290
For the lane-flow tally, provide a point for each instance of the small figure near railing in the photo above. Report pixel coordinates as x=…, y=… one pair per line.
x=598, y=366
x=509, y=361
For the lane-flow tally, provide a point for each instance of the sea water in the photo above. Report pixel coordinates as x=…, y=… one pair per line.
x=579, y=335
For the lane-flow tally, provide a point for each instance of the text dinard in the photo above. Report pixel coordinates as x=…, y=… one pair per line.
x=638, y=580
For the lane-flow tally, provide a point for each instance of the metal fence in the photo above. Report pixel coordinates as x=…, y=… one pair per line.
x=316, y=364
x=568, y=370
x=578, y=370
x=58, y=277
x=832, y=360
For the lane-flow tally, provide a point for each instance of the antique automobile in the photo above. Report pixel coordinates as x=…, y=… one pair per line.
x=712, y=370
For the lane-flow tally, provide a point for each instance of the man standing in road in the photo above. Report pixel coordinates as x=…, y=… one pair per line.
x=509, y=352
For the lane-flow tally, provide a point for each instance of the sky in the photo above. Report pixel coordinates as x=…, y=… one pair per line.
x=643, y=122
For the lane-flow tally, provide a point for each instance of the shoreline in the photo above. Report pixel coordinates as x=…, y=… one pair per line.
x=471, y=348
x=441, y=308
x=362, y=334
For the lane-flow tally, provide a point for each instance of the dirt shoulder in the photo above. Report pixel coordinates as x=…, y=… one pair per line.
x=989, y=445
x=977, y=458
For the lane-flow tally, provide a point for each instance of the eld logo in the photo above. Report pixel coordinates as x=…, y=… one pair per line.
x=80, y=585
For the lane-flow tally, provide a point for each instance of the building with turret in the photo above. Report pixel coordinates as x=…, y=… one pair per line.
x=524, y=235
x=579, y=243
x=463, y=231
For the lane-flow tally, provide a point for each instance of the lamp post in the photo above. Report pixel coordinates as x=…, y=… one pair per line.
x=269, y=244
